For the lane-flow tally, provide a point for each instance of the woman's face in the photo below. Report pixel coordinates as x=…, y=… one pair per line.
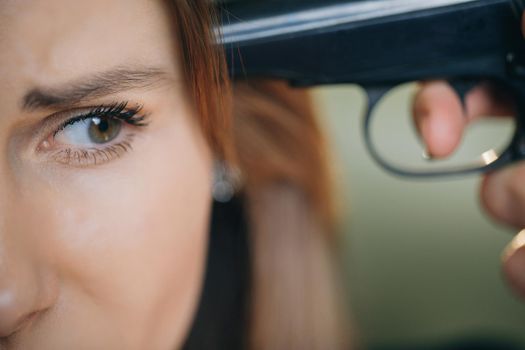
x=104, y=178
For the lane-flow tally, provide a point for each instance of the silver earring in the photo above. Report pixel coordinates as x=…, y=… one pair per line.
x=226, y=182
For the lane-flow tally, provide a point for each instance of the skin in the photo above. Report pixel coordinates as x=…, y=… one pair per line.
x=441, y=121
x=107, y=255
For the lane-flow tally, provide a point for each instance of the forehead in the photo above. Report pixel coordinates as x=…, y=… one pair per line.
x=47, y=41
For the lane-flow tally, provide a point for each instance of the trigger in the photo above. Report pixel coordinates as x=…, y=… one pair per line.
x=462, y=87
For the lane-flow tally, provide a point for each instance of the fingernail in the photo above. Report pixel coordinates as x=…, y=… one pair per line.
x=517, y=243
x=424, y=136
x=427, y=155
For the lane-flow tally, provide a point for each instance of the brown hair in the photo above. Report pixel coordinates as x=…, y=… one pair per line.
x=269, y=132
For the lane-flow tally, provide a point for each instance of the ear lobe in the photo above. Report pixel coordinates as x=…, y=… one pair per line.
x=226, y=182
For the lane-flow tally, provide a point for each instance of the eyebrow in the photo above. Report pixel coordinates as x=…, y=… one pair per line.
x=94, y=86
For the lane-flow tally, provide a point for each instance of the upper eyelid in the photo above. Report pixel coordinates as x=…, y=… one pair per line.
x=103, y=110
x=52, y=122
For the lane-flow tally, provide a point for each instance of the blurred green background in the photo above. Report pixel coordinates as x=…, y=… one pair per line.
x=423, y=259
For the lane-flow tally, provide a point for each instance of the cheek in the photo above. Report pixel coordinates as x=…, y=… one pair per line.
x=129, y=240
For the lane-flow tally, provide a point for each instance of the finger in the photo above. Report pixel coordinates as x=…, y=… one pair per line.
x=503, y=195
x=489, y=100
x=439, y=119
x=514, y=264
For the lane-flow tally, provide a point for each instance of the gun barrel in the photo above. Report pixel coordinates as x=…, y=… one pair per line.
x=371, y=42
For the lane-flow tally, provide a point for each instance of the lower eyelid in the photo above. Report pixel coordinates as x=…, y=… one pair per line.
x=79, y=157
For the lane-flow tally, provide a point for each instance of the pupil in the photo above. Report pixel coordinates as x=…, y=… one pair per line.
x=103, y=126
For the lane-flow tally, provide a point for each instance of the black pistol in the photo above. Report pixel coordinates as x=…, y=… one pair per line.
x=380, y=44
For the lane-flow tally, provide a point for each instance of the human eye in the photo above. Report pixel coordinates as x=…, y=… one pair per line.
x=93, y=136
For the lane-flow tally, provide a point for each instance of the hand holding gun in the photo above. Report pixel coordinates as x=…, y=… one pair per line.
x=442, y=120
x=470, y=52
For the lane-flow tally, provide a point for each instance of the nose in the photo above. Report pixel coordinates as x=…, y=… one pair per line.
x=11, y=319
x=25, y=293
x=28, y=284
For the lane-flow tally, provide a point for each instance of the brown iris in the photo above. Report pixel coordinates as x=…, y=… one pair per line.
x=103, y=130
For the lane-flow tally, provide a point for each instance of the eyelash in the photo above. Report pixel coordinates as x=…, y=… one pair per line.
x=95, y=156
